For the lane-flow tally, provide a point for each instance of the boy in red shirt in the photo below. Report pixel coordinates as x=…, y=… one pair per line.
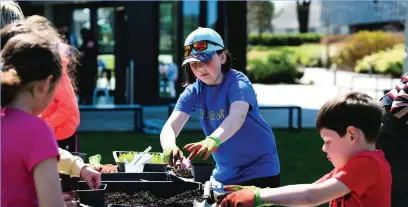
x=349, y=126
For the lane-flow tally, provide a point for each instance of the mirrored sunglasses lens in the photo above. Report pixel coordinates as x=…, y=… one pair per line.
x=200, y=46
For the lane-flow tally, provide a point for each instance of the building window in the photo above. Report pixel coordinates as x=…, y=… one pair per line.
x=105, y=19
x=212, y=13
x=191, y=13
x=81, y=18
x=168, y=69
x=106, y=23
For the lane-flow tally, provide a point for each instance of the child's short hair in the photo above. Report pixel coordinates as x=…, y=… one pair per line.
x=9, y=13
x=352, y=109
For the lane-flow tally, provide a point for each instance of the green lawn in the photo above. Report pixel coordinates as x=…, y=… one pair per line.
x=300, y=152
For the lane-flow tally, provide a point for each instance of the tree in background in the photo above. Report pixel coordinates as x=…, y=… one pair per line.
x=303, y=8
x=260, y=15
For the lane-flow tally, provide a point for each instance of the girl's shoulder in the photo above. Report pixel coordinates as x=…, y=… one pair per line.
x=235, y=75
x=192, y=88
x=26, y=123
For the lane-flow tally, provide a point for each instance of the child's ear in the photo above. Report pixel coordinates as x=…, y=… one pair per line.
x=223, y=58
x=353, y=132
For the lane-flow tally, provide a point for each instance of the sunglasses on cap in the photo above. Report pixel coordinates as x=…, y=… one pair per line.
x=199, y=46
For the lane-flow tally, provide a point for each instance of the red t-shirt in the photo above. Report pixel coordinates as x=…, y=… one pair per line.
x=368, y=176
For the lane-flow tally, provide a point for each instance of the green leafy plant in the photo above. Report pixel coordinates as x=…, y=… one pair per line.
x=157, y=157
x=279, y=68
x=95, y=160
x=127, y=157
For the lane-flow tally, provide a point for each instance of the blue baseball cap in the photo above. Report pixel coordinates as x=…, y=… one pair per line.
x=203, y=34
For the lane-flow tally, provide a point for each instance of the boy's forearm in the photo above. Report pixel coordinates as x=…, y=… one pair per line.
x=231, y=124
x=291, y=195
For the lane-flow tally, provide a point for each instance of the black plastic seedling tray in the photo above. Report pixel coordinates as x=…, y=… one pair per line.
x=146, y=185
x=152, y=167
x=145, y=176
x=159, y=184
x=148, y=199
x=94, y=198
x=201, y=172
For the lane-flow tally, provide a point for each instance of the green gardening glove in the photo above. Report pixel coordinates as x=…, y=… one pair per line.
x=241, y=196
x=208, y=146
x=172, y=154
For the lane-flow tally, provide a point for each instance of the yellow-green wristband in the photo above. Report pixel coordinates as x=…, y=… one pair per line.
x=258, y=201
x=216, y=140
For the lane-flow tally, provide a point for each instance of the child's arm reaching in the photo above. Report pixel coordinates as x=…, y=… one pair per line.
x=233, y=122
x=242, y=98
x=306, y=194
x=69, y=163
x=175, y=123
x=291, y=195
x=47, y=184
x=170, y=131
x=343, y=181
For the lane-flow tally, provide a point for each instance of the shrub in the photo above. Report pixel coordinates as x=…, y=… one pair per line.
x=268, y=39
x=362, y=44
x=307, y=55
x=279, y=68
x=386, y=62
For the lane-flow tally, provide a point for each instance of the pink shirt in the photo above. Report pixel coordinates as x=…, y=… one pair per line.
x=26, y=140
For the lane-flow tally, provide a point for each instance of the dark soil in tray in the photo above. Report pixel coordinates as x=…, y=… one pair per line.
x=146, y=199
x=183, y=172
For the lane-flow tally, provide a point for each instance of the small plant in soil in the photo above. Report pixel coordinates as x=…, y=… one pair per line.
x=183, y=172
x=157, y=157
x=147, y=199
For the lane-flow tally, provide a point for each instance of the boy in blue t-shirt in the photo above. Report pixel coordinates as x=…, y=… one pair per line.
x=241, y=142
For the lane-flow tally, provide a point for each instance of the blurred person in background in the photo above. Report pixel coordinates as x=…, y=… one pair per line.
x=88, y=69
x=393, y=139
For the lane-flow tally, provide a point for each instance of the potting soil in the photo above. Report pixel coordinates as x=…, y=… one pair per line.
x=147, y=199
x=183, y=172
